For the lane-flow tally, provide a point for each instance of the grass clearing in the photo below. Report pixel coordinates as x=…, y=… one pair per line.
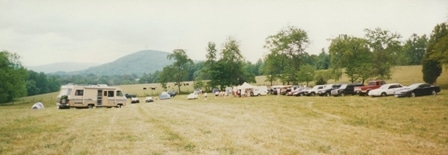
x=228, y=125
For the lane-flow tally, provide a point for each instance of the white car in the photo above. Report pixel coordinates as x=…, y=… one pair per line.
x=135, y=100
x=149, y=99
x=192, y=96
x=386, y=89
x=313, y=91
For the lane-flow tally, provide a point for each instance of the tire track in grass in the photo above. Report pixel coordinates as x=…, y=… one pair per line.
x=241, y=131
x=40, y=135
x=171, y=139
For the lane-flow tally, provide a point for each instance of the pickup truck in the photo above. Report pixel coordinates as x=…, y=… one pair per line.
x=364, y=90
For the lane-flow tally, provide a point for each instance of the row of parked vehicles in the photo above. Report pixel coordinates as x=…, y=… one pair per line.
x=373, y=88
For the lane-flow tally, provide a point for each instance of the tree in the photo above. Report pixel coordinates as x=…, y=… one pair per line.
x=273, y=67
x=323, y=60
x=230, y=69
x=306, y=74
x=414, y=49
x=288, y=46
x=209, y=71
x=13, y=77
x=431, y=70
x=431, y=64
x=384, y=46
x=353, y=54
x=179, y=68
x=166, y=75
x=438, y=43
x=321, y=77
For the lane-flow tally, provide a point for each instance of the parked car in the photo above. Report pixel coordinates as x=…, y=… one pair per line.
x=130, y=95
x=149, y=99
x=172, y=93
x=313, y=91
x=345, y=89
x=326, y=90
x=301, y=91
x=417, y=89
x=385, y=90
x=192, y=96
x=135, y=100
x=164, y=96
x=364, y=90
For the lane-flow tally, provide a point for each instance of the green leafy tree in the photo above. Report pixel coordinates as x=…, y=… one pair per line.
x=323, y=60
x=179, y=69
x=229, y=69
x=209, y=71
x=306, y=74
x=414, y=49
x=384, y=46
x=13, y=77
x=353, y=54
x=438, y=45
x=274, y=65
x=431, y=64
x=288, y=46
x=321, y=77
x=166, y=75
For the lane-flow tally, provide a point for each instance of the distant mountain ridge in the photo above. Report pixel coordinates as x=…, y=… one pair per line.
x=145, y=61
x=61, y=66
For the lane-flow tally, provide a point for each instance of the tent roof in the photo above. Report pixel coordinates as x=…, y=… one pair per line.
x=245, y=85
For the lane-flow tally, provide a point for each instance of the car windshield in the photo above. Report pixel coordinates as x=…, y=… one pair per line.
x=372, y=83
x=413, y=86
x=343, y=86
x=384, y=86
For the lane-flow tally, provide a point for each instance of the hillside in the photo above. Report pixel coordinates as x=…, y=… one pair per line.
x=62, y=66
x=145, y=61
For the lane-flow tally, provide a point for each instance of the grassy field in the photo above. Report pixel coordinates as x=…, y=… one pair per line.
x=228, y=125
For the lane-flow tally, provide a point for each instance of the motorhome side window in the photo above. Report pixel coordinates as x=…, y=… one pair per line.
x=69, y=91
x=79, y=92
x=119, y=93
x=110, y=93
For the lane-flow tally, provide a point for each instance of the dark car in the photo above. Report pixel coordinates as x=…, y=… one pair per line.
x=172, y=93
x=417, y=89
x=130, y=95
x=345, y=89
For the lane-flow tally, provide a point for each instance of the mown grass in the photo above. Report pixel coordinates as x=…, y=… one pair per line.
x=228, y=125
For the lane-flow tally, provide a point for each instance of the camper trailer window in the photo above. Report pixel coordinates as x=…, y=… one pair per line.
x=79, y=92
x=119, y=93
x=105, y=93
x=111, y=94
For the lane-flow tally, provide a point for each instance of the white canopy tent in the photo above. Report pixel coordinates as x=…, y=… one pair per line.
x=245, y=87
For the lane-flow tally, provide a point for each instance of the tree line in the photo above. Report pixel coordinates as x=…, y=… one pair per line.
x=358, y=57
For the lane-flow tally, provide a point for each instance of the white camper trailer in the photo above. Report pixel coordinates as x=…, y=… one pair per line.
x=73, y=96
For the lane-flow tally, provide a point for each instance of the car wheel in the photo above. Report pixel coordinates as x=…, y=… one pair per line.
x=383, y=94
x=90, y=106
x=328, y=94
x=434, y=92
x=342, y=94
x=312, y=94
x=412, y=94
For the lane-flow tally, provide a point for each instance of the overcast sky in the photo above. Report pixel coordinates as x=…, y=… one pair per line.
x=86, y=31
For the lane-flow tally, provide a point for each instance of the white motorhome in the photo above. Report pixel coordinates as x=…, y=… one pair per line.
x=74, y=96
x=260, y=90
